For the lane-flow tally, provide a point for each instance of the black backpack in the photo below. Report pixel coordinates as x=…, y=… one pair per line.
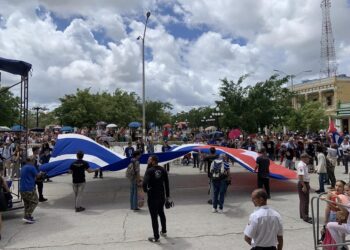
x=216, y=171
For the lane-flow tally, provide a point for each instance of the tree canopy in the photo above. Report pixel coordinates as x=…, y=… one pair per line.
x=85, y=109
x=9, y=108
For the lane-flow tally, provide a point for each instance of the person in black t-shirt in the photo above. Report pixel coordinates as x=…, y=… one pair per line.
x=270, y=148
x=156, y=185
x=209, y=159
x=77, y=169
x=263, y=169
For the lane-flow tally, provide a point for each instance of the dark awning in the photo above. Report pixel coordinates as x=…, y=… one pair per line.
x=14, y=66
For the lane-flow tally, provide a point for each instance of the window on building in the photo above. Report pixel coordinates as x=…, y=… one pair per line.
x=329, y=100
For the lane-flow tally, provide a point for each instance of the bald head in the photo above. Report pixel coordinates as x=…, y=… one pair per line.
x=259, y=197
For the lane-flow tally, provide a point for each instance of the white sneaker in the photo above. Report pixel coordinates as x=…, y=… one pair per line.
x=221, y=211
x=214, y=210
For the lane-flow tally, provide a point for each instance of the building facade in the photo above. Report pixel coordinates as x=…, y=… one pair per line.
x=332, y=92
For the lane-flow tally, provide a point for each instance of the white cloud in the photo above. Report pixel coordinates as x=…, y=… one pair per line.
x=281, y=35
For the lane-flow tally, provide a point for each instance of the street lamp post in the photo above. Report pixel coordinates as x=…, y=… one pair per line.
x=217, y=114
x=143, y=77
x=37, y=114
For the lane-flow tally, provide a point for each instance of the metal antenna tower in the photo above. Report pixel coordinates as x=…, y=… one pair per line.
x=328, y=57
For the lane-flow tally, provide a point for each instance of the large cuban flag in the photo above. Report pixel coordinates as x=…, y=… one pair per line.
x=245, y=158
x=66, y=148
x=99, y=156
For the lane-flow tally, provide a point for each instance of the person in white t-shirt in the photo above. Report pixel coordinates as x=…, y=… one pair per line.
x=345, y=146
x=264, y=229
x=304, y=187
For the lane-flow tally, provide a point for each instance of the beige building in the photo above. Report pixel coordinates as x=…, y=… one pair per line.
x=332, y=92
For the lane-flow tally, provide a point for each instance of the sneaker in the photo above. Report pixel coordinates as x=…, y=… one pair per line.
x=95, y=177
x=221, y=211
x=152, y=239
x=101, y=177
x=214, y=210
x=163, y=234
x=42, y=199
x=136, y=209
x=308, y=220
x=79, y=209
x=28, y=220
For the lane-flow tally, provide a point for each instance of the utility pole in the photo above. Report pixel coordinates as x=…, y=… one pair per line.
x=37, y=108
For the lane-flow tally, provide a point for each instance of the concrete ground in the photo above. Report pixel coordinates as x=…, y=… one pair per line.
x=108, y=223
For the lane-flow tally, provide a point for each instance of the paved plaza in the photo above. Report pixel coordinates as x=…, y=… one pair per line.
x=108, y=223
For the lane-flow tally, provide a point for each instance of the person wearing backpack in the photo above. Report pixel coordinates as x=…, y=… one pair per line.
x=219, y=173
x=133, y=174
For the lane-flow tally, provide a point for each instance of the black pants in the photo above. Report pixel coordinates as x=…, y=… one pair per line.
x=266, y=183
x=196, y=160
x=331, y=176
x=97, y=172
x=156, y=207
x=167, y=167
x=346, y=159
x=40, y=186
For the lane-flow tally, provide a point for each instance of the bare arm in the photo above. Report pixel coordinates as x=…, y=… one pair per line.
x=280, y=242
x=247, y=239
x=90, y=170
x=256, y=167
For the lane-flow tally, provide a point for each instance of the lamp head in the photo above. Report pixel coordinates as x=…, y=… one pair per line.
x=148, y=14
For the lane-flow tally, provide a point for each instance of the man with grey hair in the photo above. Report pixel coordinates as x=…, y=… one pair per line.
x=264, y=229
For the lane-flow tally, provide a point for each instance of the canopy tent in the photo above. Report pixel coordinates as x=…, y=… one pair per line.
x=67, y=129
x=210, y=128
x=182, y=125
x=167, y=125
x=234, y=133
x=101, y=123
x=37, y=130
x=112, y=125
x=134, y=125
x=17, y=128
x=4, y=129
x=216, y=134
x=22, y=69
x=15, y=67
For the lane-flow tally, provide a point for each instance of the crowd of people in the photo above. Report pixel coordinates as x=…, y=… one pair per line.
x=305, y=154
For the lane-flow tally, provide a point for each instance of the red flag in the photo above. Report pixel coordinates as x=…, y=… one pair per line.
x=331, y=127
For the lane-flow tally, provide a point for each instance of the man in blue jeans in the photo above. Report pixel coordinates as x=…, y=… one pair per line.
x=134, y=181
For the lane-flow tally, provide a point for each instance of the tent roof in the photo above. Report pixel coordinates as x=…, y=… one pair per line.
x=14, y=66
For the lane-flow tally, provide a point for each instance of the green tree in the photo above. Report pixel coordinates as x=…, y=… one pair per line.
x=9, y=108
x=158, y=112
x=310, y=117
x=269, y=102
x=266, y=103
x=234, y=103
